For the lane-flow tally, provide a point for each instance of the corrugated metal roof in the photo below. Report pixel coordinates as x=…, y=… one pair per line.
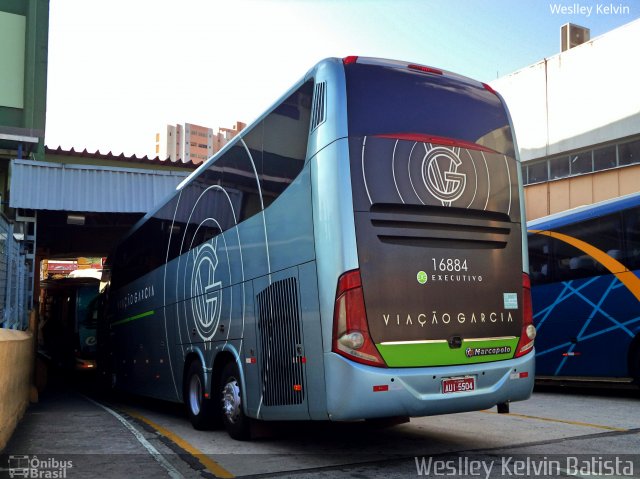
x=157, y=161
x=52, y=186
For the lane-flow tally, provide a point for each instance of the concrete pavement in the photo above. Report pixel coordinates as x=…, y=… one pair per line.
x=69, y=435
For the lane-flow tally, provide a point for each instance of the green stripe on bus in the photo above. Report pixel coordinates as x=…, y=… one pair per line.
x=133, y=318
x=440, y=354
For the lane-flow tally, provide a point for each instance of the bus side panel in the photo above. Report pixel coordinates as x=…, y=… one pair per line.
x=334, y=227
x=289, y=225
x=275, y=240
x=281, y=357
x=171, y=326
x=141, y=344
x=576, y=331
x=209, y=291
x=205, y=286
x=313, y=346
x=249, y=353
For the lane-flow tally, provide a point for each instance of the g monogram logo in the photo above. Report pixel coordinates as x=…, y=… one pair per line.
x=441, y=177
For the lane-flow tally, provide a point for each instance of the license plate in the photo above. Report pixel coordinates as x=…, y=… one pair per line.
x=458, y=385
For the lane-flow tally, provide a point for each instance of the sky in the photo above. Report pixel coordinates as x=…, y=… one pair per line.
x=120, y=71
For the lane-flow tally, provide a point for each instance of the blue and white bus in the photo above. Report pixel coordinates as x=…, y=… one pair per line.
x=585, y=273
x=356, y=252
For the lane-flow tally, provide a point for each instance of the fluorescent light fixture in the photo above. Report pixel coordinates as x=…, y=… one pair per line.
x=75, y=220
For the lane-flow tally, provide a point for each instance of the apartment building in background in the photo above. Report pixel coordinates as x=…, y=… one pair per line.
x=193, y=143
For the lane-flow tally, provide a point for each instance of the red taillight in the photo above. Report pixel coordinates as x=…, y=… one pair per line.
x=422, y=68
x=351, y=337
x=436, y=140
x=528, y=334
x=349, y=60
x=489, y=89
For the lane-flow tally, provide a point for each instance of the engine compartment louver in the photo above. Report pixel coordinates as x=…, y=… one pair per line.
x=440, y=227
x=282, y=362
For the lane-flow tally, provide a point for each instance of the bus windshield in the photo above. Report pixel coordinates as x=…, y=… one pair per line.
x=386, y=100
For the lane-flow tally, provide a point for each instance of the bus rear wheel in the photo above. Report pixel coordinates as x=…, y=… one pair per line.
x=199, y=408
x=236, y=423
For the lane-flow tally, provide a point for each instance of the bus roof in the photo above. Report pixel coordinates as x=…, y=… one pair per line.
x=585, y=212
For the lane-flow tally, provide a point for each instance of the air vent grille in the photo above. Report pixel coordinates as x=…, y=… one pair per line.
x=281, y=344
x=319, y=110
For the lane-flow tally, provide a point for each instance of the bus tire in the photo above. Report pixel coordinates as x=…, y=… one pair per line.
x=235, y=421
x=199, y=408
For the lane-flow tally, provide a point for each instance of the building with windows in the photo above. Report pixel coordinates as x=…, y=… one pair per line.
x=193, y=143
x=577, y=122
x=24, y=28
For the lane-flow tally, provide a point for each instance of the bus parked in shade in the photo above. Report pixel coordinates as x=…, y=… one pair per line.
x=585, y=275
x=69, y=317
x=355, y=253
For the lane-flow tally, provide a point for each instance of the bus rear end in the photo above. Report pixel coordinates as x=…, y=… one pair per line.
x=437, y=316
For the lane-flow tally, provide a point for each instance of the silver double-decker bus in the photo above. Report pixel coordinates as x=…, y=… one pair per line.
x=357, y=252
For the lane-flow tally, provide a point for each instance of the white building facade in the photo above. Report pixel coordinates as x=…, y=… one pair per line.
x=577, y=122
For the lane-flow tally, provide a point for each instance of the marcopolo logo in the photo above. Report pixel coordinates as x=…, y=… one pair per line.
x=441, y=177
x=473, y=352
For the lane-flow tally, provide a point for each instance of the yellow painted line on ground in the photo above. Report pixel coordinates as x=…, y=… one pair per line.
x=561, y=421
x=206, y=461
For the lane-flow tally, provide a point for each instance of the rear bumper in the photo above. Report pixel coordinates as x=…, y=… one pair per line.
x=417, y=392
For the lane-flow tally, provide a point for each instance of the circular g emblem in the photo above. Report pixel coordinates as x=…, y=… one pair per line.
x=441, y=177
x=206, y=292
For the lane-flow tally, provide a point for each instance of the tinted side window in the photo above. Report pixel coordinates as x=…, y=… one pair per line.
x=142, y=252
x=605, y=233
x=286, y=131
x=208, y=205
x=539, y=269
x=247, y=177
x=243, y=170
x=617, y=234
x=631, y=256
x=569, y=263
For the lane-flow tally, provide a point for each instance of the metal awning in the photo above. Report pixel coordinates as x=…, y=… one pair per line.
x=41, y=185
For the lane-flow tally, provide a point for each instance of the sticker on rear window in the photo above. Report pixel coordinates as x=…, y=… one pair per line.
x=510, y=300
